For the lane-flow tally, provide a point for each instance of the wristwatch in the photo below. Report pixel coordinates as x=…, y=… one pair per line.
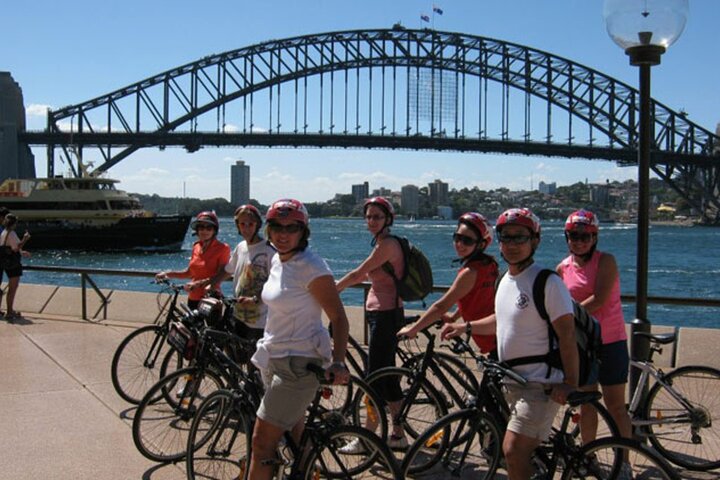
x=255, y=299
x=339, y=364
x=468, y=328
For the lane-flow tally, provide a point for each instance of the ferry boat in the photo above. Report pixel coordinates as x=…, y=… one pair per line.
x=88, y=213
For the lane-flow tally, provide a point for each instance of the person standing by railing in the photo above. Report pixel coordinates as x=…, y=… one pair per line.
x=209, y=256
x=11, y=252
x=593, y=280
x=474, y=287
x=384, y=311
x=249, y=267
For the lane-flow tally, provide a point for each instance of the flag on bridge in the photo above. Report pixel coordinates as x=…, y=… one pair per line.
x=425, y=18
x=437, y=10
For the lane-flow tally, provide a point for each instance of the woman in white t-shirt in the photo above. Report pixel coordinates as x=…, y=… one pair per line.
x=12, y=251
x=299, y=289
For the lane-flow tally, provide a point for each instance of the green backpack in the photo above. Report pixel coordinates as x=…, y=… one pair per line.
x=417, y=279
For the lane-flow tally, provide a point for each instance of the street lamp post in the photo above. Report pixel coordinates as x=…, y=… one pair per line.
x=644, y=29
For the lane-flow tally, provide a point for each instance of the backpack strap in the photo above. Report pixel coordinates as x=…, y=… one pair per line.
x=388, y=268
x=539, y=300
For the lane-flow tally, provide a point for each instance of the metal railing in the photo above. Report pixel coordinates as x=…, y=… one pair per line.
x=86, y=280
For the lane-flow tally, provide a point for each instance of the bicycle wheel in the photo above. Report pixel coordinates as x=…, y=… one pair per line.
x=328, y=460
x=421, y=405
x=136, y=363
x=459, y=376
x=466, y=442
x=162, y=420
x=687, y=435
x=606, y=426
x=358, y=405
x=621, y=458
x=219, y=440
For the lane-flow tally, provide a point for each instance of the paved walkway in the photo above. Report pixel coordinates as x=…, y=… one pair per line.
x=60, y=416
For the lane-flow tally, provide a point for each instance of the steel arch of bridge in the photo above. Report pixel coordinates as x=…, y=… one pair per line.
x=353, y=89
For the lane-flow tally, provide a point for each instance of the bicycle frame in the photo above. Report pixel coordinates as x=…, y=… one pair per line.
x=648, y=370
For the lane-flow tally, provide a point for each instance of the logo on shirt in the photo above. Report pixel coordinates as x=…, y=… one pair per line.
x=522, y=301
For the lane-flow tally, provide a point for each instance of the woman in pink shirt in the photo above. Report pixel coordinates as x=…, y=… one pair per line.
x=383, y=307
x=593, y=280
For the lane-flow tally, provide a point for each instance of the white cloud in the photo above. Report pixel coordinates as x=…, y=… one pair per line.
x=37, y=110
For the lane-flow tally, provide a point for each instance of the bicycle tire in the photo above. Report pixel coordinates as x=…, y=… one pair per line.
x=604, y=459
x=162, y=420
x=606, y=424
x=461, y=378
x=327, y=459
x=426, y=405
x=219, y=441
x=466, y=442
x=358, y=405
x=695, y=443
x=135, y=364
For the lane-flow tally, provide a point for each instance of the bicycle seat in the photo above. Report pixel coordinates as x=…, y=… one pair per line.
x=577, y=398
x=662, y=338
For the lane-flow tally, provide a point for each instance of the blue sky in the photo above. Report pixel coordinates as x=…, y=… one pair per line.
x=63, y=53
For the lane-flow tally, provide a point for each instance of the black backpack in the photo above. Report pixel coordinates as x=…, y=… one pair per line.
x=417, y=280
x=587, y=335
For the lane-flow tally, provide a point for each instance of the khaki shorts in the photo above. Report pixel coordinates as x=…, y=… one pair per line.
x=290, y=388
x=531, y=410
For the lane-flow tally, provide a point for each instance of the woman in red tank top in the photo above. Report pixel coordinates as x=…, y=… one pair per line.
x=473, y=289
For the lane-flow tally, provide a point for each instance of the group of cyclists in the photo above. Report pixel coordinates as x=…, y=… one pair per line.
x=282, y=288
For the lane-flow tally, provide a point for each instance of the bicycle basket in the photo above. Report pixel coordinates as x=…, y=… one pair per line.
x=183, y=340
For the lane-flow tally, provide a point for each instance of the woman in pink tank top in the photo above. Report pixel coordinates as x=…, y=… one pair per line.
x=384, y=312
x=593, y=280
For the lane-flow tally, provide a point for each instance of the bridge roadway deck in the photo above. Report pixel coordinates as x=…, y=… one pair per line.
x=60, y=416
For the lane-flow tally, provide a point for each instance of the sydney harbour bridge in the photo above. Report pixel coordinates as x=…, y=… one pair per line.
x=386, y=89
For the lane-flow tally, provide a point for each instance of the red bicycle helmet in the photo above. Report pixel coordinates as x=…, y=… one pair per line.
x=249, y=208
x=519, y=216
x=582, y=221
x=208, y=217
x=480, y=224
x=288, y=208
x=384, y=204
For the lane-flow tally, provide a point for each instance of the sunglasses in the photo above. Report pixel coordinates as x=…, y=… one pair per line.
x=513, y=239
x=374, y=217
x=579, y=237
x=464, y=239
x=291, y=228
x=204, y=227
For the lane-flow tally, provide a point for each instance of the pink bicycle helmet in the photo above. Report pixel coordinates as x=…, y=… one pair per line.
x=519, y=216
x=288, y=208
x=582, y=221
x=384, y=204
x=478, y=223
x=207, y=217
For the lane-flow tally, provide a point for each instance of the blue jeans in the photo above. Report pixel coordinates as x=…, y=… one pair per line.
x=384, y=326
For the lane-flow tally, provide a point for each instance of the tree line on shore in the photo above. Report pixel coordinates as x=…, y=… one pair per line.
x=488, y=202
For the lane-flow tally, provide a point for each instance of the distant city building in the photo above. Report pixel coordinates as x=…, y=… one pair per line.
x=445, y=212
x=547, y=188
x=382, y=192
x=361, y=192
x=239, y=183
x=438, y=193
x=410, y=199
x=600, y=195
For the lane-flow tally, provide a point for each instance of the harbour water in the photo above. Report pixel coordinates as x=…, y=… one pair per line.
x=684, y=261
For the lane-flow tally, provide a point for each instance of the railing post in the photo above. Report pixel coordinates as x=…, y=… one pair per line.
x=83, y=294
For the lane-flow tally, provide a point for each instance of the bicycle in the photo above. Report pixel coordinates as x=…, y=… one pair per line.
x=680, y=413
x=224, y=447
x=162, y=419
x=467, y=442
x=135, y=366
